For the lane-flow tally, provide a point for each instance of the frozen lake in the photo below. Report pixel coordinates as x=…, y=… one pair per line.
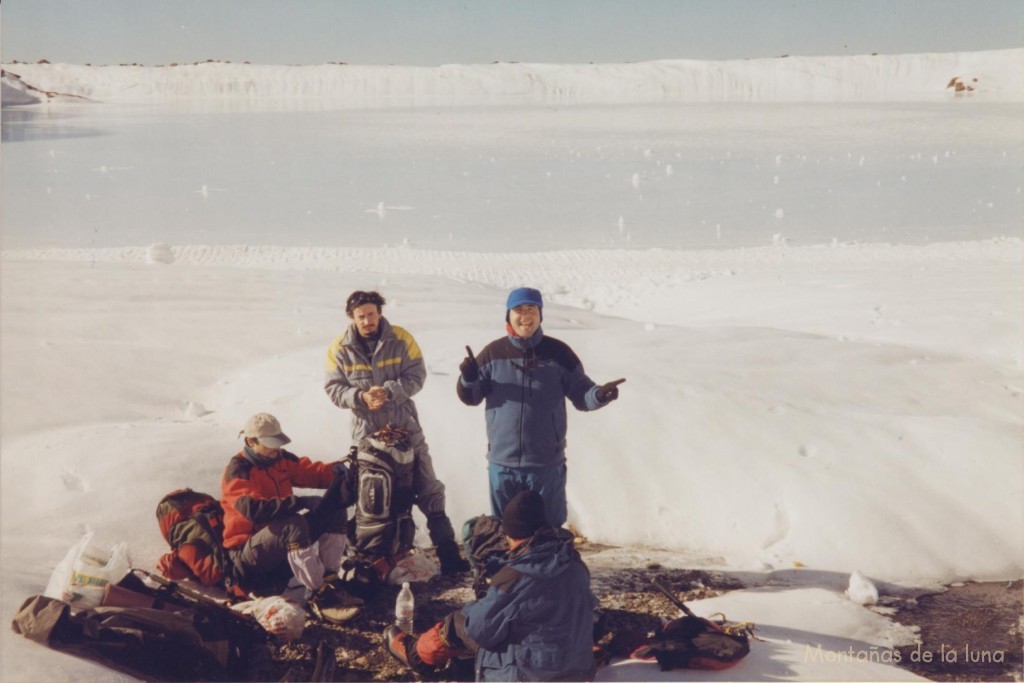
x=500, y=178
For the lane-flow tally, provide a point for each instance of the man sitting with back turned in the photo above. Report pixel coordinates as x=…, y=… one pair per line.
x=536, y=620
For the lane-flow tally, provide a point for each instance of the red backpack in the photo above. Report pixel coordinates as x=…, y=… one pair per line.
x=192, y=523
x=692, y=642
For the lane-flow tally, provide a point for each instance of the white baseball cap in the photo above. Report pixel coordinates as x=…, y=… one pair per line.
x=266, y=429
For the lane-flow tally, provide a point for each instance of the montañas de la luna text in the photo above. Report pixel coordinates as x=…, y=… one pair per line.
x=944, y=655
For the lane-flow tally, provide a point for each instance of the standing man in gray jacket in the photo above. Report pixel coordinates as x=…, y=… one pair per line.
x=374, y=369
x=524, y=380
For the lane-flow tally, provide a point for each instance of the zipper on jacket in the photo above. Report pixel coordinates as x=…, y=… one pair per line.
x=522, y=407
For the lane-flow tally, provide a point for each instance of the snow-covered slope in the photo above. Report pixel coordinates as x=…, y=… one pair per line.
x=15, y=92
x=992, y=75
x=782, y=404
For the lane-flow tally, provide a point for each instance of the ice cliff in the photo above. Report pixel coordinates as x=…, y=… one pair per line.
x=996, y=75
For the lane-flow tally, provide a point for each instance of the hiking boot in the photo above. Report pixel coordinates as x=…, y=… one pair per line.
x=402, y=646
x=443, y=537
x=395, y=640
x=451, y=559
x=334, y=604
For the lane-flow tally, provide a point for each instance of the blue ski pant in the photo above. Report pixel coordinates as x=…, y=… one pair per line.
x=549, y=482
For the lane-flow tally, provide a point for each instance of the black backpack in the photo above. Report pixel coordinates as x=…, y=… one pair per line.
x=175, y=638
x=383, y=465
x=484, y=544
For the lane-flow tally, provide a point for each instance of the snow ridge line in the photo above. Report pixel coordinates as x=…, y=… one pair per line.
x=463, y=264
x=592, y=279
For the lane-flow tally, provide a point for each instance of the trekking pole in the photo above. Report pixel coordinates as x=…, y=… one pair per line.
x=325, y=665
x=187, y=592
x=672, y=597
x=199, y=599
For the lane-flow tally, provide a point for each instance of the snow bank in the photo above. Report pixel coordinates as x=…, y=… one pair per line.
x=996, y=75
x=811, y=393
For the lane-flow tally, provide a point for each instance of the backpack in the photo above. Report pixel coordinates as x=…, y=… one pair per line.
x=192, y=523
x=483, y=542
x=692, y=642
x=160, y=634
x=383, y=465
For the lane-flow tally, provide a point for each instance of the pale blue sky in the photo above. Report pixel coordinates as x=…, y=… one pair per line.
x=431, y=32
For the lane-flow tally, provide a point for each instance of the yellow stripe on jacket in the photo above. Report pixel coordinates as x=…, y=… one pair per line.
x=412, y=349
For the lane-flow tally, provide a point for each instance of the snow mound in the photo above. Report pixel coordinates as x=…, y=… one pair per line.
x=861, y=590
x=159, y=253
x=194, y=411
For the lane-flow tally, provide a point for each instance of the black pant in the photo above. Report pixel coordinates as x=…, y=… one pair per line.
x=265, y=555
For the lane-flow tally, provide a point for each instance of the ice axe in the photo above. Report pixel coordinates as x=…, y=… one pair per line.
x=672, y=597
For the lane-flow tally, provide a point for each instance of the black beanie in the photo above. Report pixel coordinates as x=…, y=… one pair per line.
x=524, y=515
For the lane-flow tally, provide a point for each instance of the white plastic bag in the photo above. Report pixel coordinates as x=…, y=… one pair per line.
x=414, y=568
x=85, y=571
x=278, y=616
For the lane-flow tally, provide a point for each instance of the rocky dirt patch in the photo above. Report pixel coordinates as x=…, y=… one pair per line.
x=628, y=600
x=969, y=632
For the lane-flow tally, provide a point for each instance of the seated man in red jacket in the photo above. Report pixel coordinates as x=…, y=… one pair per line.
x=268, y=529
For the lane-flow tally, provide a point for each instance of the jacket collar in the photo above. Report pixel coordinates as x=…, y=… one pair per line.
x=257, y=459
x=545, y=552
x=527, y=342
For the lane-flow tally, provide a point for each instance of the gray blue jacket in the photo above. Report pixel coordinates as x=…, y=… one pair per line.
x=396, y=364
x=536, y=622
x=524, y=384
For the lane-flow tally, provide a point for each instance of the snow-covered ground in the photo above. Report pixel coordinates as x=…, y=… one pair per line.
x=793, y=413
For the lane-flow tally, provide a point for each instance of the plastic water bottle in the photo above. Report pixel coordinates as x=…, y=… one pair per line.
x=405, y=608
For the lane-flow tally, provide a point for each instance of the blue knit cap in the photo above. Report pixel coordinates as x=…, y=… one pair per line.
x=522, y=296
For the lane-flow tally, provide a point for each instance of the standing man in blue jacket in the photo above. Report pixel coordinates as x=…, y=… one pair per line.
x=536, y=622
x=524, y=380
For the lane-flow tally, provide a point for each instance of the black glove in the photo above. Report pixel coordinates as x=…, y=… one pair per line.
x=610, y=391
x=469, y=368
x=338, y=495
